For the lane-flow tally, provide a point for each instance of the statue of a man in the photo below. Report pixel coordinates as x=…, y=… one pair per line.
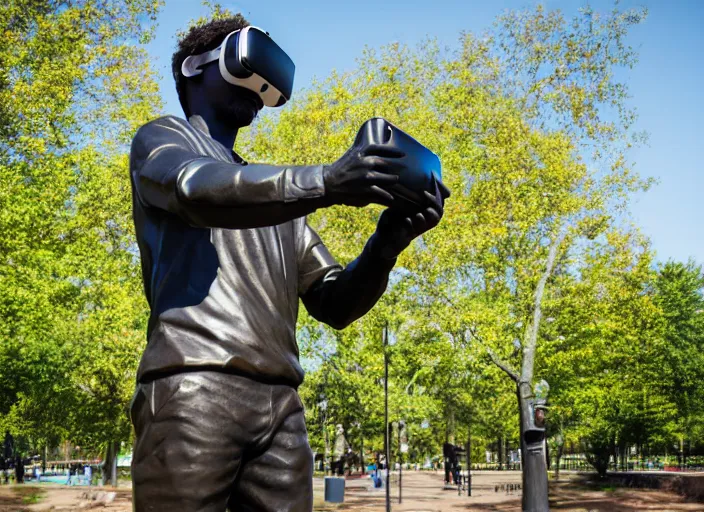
x=226, y=253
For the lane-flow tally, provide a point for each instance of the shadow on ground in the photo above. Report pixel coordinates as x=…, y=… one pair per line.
x=16, y=499
x=581, y=496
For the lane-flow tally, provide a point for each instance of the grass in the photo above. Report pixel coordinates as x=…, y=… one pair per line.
x=29, y=495
x=319, y=504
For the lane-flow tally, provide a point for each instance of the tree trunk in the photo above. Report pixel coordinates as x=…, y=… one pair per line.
x=110, y=464
x=326, y=440
x=361, y=455
x=113, y=468
x=507, y=454
x=469, y=458
x=558, y=456
x=107, y=464
x=547, y=454
x=684, y=455
x=535, y=476
x=501, y=453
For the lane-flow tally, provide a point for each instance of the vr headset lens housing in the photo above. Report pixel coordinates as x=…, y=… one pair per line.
x=249, y=58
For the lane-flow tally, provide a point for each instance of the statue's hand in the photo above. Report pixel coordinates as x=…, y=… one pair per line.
x=397, y=229
x=358, y=178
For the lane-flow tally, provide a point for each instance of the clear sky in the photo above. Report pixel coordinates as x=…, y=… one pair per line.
x=667, y=84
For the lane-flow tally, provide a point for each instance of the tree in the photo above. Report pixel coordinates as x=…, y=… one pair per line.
x=679, y=295
x=558, y=82
x=514, y=118
x=605, y=350
x=74, y=86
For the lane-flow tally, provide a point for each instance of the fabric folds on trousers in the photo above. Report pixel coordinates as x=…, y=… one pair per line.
x=210, y=441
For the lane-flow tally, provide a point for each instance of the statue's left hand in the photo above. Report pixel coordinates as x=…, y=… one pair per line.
x=396, y=229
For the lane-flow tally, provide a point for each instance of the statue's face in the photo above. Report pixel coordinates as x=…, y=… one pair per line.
x=236, y=106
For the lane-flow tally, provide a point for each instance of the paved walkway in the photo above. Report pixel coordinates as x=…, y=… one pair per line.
x=422, y=492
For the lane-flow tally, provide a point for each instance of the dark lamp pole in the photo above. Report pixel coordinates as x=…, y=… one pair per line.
x=386, y=417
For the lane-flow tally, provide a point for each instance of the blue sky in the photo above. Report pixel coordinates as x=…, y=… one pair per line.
x=667, y=85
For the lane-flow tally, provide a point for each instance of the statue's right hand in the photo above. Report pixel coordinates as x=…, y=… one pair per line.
x=361, y=175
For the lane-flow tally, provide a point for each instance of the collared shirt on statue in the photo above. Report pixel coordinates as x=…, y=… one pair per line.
x=220, y=298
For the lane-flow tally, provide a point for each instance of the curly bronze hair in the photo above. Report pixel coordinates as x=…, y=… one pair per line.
x=200, y=39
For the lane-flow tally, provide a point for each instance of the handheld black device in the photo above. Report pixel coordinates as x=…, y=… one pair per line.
x=421, y=167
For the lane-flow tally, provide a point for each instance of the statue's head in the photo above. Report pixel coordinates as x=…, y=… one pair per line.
x=236, y=106
x=231, y=69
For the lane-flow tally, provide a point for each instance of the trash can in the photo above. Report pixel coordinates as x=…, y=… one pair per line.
x=334, y=489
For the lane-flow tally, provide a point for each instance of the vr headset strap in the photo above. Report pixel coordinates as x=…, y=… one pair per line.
x=191, y=64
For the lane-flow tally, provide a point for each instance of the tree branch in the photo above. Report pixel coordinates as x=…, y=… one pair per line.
x=529, y=346
x=504, y=366
x=513, y=374
x=494, y=358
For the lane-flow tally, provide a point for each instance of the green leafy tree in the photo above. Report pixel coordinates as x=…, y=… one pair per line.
x=605, y=351
x=679, y=295
x=536, y=170
x=74, y=86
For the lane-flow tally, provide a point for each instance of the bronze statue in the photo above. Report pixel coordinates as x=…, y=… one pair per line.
x=226, y=253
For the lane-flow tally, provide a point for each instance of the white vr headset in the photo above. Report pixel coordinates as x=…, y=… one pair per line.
x=249, y=58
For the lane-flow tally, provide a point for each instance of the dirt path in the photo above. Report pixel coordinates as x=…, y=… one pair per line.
x=10, y=501
x=23, y=498
x=422, y=492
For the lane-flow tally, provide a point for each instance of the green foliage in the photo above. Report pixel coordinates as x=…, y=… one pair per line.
x=532, y=272
x=607, y=372
x=510, y=115
x=679, y=289
x=215, y=11
x=75, y=85
x=30, y=495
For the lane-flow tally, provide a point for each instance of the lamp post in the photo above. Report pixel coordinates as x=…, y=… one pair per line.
x=469, y=456
x=324, y=407
x=533, y=406
x=386, y=416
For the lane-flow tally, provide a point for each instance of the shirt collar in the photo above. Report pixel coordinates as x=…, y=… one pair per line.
x=199, y=124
